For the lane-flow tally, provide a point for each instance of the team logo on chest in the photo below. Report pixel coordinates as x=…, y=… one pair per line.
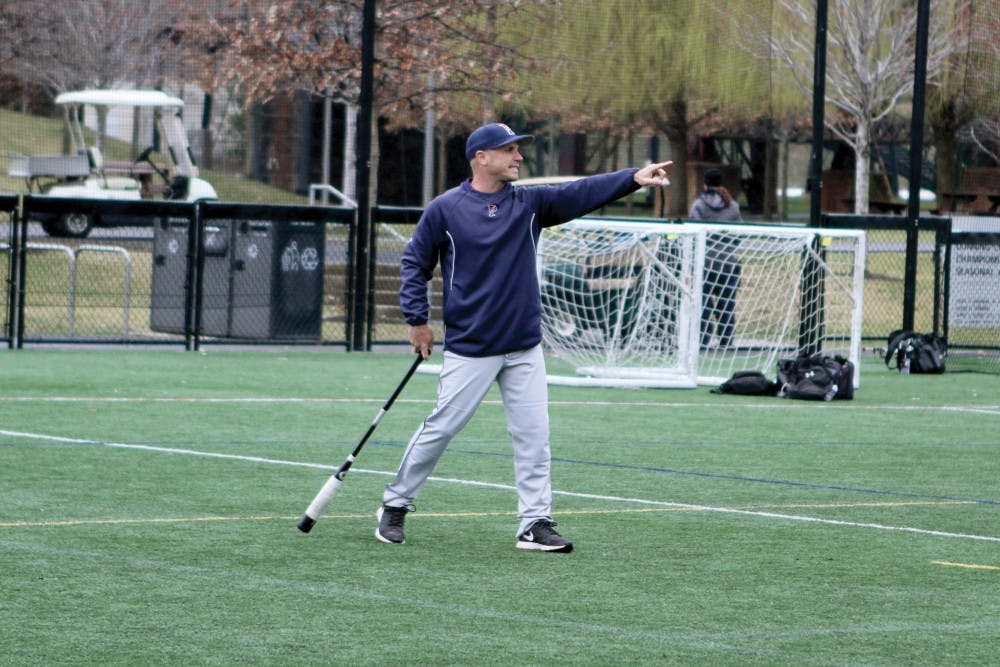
x=491, y=210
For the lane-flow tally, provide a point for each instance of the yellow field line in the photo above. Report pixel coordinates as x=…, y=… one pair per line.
x=366, y=515
x=969, y=566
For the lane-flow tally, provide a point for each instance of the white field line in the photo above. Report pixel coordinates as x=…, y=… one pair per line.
x=968, y=566
x=508, y=487
x=780, y=405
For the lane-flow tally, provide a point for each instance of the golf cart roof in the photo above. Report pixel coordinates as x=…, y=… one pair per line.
x=126, y=98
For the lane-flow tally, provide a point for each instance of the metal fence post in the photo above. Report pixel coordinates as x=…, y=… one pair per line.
x=193, y=280
x=916, y=164
x=13, y=292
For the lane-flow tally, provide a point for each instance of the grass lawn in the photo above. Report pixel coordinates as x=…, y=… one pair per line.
x=151, y=497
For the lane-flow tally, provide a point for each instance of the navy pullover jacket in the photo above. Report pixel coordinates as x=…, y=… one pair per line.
x=486, y=245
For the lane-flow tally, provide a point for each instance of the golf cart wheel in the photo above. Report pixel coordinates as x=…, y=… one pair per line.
x=75, y=225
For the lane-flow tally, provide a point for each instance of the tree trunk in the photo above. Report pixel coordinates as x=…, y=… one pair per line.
x=441, y=182
x=783, y=206
x=207, y=137
x=678, y=207
x=770, y=173
x=944, y=124
x=207, y=148
x=374, y=163
x=102, y=128
x=946, y=161
x=136, y=120
x=552, y=149
x=350, y=185
x=253, y=142
x=630, y=158
x=862, y=166
x=675, y=128
x=430, y=123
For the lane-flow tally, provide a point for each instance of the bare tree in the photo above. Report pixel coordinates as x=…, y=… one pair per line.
x=985, y=134
x=965, y=108
x=193, y=59
x=77, y=43
x=869, y=65
x=284, y=46
x=288, y=45
x=60, y=46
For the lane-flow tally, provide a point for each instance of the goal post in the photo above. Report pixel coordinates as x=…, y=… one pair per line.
x=650, y=304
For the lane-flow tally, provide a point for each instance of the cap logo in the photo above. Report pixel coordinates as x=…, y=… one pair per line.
x=507, y=129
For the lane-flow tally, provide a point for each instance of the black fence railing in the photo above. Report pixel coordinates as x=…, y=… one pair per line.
x=955, y=272
x=885, y=304
x=175, y=273
x=9, y=239
x=393, y=228
x=166, y=272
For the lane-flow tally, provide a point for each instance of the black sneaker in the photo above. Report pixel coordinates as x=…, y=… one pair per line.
x=390, y=524
x=542, y=536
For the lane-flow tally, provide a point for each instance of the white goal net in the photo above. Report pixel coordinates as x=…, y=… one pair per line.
x=627, y=303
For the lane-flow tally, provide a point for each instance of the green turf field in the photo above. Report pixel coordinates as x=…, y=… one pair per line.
x=150, y=499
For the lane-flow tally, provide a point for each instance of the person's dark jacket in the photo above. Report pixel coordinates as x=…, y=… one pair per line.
x=486, y=246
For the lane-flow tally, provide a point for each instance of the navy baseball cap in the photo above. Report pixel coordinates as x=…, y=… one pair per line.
x=493, y=135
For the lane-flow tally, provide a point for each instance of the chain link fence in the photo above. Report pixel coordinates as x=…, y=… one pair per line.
x=176, y=273
x=8, y=296
x=957, y=293
x=294, y=275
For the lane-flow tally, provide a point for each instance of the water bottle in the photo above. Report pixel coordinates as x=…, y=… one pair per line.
x=904, y=363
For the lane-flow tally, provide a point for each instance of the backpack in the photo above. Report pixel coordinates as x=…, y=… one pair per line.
x=916, y=353
x=817, y=377
x=748, y=383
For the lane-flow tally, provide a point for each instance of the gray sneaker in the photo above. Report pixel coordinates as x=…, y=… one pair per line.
x=542, y=536
x=390, y=524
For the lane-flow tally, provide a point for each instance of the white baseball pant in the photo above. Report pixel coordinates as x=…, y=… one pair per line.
x=463, y=384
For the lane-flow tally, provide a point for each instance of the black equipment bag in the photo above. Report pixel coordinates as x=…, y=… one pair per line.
x=748, y=383
x=915, y=352
x=817, y=377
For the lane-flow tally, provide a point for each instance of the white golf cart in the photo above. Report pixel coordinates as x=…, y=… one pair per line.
x=84, y=174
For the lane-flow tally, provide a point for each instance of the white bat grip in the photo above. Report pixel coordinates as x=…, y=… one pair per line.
x=322, y=499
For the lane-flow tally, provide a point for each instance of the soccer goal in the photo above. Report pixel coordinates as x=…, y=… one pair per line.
x=648, y=304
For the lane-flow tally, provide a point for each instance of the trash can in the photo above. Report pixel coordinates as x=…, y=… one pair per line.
x=262, y=280
x=277, y=280
x=216, y=282
x=170, y=246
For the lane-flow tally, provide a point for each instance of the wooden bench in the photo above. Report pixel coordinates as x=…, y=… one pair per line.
x=984, y=183
x=880, y=205
x=956, y=202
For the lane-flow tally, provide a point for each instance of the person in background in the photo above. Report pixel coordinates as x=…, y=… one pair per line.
x=722, y=269
x=484, y=234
